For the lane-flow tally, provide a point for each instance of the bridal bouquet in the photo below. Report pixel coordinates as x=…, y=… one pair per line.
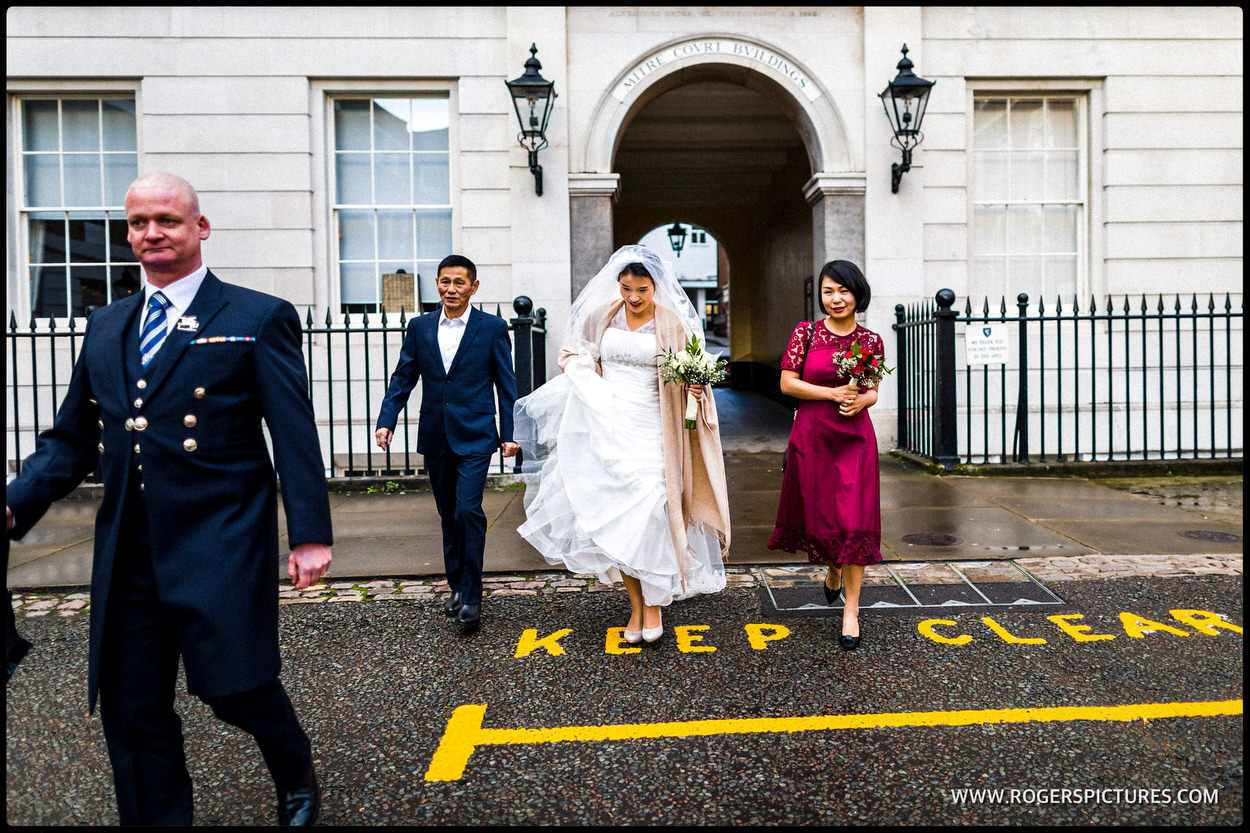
x=692, y=366
x=865, y=369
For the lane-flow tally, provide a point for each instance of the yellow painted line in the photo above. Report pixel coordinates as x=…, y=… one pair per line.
x=465, y=733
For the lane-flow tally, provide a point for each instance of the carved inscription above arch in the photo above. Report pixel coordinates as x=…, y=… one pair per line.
x=751, y=54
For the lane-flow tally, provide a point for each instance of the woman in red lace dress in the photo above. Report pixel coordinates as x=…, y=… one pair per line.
x=830, y=504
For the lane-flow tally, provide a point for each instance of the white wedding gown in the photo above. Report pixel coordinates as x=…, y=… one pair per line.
x=598, y=503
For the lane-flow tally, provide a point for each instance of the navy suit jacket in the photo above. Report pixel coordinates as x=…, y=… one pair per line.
x=457, y=404
x=208, y=480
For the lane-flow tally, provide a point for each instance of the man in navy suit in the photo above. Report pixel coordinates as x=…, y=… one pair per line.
x=465, y=357
x=168, y=392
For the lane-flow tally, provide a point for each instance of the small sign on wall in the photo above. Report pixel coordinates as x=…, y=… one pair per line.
x=986, y=343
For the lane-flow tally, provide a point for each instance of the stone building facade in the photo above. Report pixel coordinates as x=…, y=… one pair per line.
x=1068, y=151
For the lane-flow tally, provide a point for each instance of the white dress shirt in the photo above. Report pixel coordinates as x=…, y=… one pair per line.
x=450, y=333
x=180, y=294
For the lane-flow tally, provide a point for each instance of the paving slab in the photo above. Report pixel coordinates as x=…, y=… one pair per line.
x=1217, y=498
x=66, y=567
x=901, y=492
x=983, y=532
x=750, y=546
x=404, y=555
x=1125, y=508
x=752, y=423
x=756, y=508
x=360, y=507
x=1000, y=488
x=1137, y=537
x=66, y=523
x=744, y=474
x=505, y=508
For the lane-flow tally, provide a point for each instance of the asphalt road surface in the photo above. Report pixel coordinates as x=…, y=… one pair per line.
x=377, y=686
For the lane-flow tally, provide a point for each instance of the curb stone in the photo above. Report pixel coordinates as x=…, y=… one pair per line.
x=75, y=601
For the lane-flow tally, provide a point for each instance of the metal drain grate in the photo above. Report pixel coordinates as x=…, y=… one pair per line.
x=908, y=587
x=931, y=539
x=1211, y=535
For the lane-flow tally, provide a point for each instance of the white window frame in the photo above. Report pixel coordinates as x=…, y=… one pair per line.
x=17, y=241
x=327, y=287
x=1091, y=259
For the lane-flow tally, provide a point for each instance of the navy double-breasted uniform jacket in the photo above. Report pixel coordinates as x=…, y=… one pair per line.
x=186, y=431
x=457, y=403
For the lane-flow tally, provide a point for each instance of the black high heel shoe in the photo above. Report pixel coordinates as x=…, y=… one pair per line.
x=831, y=593
x=849, y=643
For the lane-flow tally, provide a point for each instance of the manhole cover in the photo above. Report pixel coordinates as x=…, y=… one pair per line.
x=931, y=539
x=1205, y=535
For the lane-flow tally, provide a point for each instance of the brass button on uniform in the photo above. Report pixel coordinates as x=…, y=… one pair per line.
x=141, y=384
x=141, y=487
x=101, y=447
x=139, y=467
x=101, y=423
x=130, y=424
x=189, y=420
x=136, y=448
x=138, y=403
x=141, y=423
x=190, y=445
x=199, y=393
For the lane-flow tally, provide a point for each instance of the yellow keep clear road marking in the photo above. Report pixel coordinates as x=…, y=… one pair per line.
x=465, y=733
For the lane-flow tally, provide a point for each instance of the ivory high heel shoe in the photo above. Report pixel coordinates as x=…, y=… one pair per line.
x=633, y=637
x=653, y=634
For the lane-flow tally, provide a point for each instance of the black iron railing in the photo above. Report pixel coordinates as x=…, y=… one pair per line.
x=46, y=363
x=1145, y=377
x=349, y=363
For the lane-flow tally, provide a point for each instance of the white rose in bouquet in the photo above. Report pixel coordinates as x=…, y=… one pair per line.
x=692, y=366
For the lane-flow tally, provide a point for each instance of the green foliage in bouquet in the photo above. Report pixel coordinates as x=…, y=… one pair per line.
x=692, y=366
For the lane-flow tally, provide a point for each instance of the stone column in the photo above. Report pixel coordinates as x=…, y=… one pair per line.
x=837, y=201
x=591, y=197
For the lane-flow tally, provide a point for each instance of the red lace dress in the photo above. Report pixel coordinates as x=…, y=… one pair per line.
x=830, y=504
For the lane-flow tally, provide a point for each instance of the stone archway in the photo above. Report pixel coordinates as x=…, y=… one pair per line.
x=737, y=137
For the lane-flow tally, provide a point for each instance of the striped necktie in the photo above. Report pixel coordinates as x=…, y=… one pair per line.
x=153, y=334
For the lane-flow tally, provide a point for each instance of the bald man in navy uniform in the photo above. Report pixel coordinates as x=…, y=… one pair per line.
x=166, y=402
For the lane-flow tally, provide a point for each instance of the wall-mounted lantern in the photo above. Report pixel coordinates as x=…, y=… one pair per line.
x=534, y=98
x=904, y=100
x=677, y=237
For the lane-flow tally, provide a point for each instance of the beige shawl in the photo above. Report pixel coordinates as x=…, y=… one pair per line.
x=694, y=465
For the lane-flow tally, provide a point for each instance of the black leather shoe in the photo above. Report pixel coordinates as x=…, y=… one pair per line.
x=849, y=643
x=453, y=604
x=301, y=806
x=469, y=618
x=831, y=595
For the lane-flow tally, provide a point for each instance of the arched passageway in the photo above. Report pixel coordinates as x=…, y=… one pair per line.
x=726, y=157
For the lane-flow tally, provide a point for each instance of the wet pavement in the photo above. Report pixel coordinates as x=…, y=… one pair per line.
x=924, y=517
x=1134, y=676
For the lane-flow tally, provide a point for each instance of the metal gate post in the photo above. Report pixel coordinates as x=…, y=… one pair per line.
x=945, y=430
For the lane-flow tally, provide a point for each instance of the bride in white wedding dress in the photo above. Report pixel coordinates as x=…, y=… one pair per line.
x=616, y=487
